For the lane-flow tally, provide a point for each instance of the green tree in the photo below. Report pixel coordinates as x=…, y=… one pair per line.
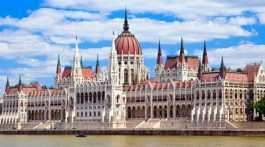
x=260, y=108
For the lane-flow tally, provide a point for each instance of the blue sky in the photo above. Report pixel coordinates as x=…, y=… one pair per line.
x=33, y=32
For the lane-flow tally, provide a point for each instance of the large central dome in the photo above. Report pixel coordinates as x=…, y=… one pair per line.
x=126, y=43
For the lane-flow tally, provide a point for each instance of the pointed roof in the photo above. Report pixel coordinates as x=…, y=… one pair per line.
x=81, y=62
x=20, y=80
x=20, y=83
x=181, y=53
x=7, y=83
x=222, y=70
x=199, y=75
x=159, y=54
x=205, y=55
x=58, y=69
x=126, y=24
x=97, y=65
x=181, y=46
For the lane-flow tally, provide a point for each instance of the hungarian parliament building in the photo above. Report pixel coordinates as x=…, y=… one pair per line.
x=185, y=92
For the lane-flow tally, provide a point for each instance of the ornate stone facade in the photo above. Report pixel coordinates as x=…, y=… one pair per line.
x=184, y=90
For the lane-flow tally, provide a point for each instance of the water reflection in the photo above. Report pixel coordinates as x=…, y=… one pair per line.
x=130, y=141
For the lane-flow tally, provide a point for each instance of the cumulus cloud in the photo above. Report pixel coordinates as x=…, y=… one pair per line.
x=55, y=25
x=184, y=9
x=237, y=56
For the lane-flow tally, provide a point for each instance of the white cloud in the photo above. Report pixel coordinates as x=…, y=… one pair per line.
x=236, y=56
x=184, y=9
x=262, y=17
x=54, y=25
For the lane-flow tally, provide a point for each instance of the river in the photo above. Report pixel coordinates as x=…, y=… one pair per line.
x=130, y=141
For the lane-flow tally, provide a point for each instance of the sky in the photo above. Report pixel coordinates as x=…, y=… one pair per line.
x=34, y=32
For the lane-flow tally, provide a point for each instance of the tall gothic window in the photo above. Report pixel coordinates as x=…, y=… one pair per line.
x=126, y=76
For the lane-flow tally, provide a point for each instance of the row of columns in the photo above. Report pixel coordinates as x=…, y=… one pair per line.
x=158, y=111
x=44, y=115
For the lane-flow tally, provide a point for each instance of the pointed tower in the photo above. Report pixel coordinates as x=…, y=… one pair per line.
x=181, y=59
x=97, y=70
x=58, y=68
x=182, y=68
x=222, y=70
x=125, y=24
x=199, y=74
x=81, y=62
x=76, y=72
x=114, y=66
x=159, y=60
x=205, y=61
x=20, y=85
x=7, y=85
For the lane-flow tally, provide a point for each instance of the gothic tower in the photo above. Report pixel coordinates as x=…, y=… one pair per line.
x=205, y=61
x=159, y=61
x=76, y=72
x=182, y=67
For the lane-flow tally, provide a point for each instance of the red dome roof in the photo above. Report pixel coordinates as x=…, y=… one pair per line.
x=126, y=43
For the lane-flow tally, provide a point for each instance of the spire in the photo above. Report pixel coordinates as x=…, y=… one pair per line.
x=76, y=72
x=181, y=53
x=205, y=55
x=113, y=49
x=97, y=65
x=222, y=70
x=159, y=55
x=76, y=43
x=7, y=84
x=20, y=80
x=199, y=75
x=58, y=69
x=181, y=46
x=81, y=62
x=20, y=83
x=126, y=24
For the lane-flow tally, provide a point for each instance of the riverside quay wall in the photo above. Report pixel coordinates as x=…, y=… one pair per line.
x=184, y=132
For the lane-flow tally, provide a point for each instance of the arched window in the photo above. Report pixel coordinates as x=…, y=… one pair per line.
x=77, y=98
x=94, y=97
x=203, y=94
x=103, y=96
x=99, y=97
x=220, y=94
x=90, y=97
x=117, y=99
x=132, y=76
x=214, y=94
x=209, y=94
x=126, y=76
x=82, y=98
x=86, y=97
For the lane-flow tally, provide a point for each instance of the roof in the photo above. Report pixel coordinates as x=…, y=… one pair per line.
x=252, y=71
x=126, y=43
x=86, y=71
x=230, y=76
x=192, y=61
x=211, y=76
x=25, y=88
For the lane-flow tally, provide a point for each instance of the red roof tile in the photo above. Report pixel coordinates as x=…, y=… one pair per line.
x=192, y=61
x=87, y=72
x=251, y=71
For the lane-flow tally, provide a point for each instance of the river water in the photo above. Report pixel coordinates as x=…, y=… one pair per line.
x=130, y=141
